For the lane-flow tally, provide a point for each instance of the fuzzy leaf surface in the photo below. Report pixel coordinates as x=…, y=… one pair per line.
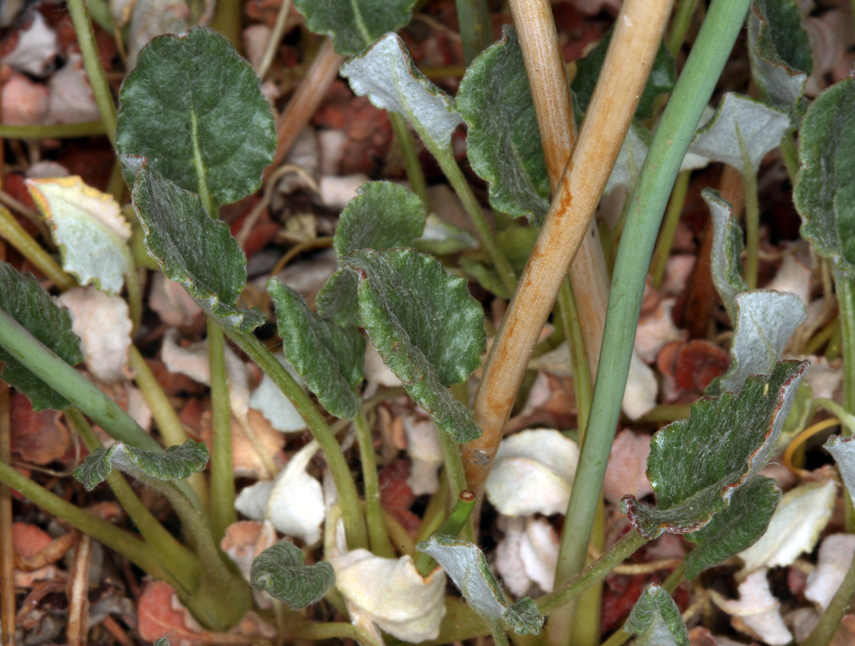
x=281, y=572
x=176, y=463
x=735, y=528
x=89, y=229
x=696, y=465
x=355, y=24
x=742, y=131
x=425, y=325
x=467, y=567
x=779, y=51
x=337, y=299
x=30, y=305
x=194, y=108
x=726, y=248
x=843, y=451
x=329, y=357
x=662, y=78
x=656, y=619
x=191, y=248
x=386, y=74
x=824, y=193
x=503, y=142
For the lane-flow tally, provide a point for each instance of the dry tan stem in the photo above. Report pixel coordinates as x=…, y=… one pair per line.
x=306, y=99
x=637, y=35
x=77, y=630
x=7, y=551
x=551, y=95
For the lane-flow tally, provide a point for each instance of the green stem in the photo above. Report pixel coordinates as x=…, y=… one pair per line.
x=456, y=522
x=500, y=637
x=752, y=229
x=18, y=237
x=135, y=295
x=790, y=155
x=676, y=128
x=302, y=628
x=92, y=63
x=223, y=511
x=680, y=25
x=473, y=209
x=829, y=622
x=411, y=157
x=669, y=228
x=182, y=562
x=377, y=535
x=845, y=287
x=453, y=461
x=228, y=20
x=845, y=417
x=354, y=521
x=473, y=16
x=56, y=131
x=596, y=572
x=134, y=549
x=582, y=387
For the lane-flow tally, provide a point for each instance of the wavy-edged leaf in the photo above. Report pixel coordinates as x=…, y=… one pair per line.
x=194, y=108
x=386, y=74
x=631, y=158
x=425, y=325
x=467, y=567
x=663, y=77
x=843, y=451
x=328, y=356
x=742, y=131
x=735, y=528
x=191, y=248
x=89, y=229
x=503, y=142
x=355, y=24
x=726, y=248
x=656, y=619
x=779, y=50
x=824, y=193
x=30, y=305
x=765, y=321
x=696, y=465
x=176, y=463
x=281, y=572
x=337, y=299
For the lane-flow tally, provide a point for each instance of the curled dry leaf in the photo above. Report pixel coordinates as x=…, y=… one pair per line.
x=172, y=302
x=24, y=102
x=639, y=397
x=244, y=540
x=161, y=614
x=657, y=329
x=757, y=611
x=426, y=454
x=532, y=473
x=246, y=462
x=274, y=405
x=627, y=468
x=835, y=555
x=527, y=554
x=37, y=437
x=29, y=541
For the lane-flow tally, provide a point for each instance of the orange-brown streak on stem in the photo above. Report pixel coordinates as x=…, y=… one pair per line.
x=636, y=39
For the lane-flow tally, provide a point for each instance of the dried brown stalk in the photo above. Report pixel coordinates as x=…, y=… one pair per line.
x=7, y=550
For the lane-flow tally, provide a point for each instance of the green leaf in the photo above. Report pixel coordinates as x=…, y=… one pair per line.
x=825, y=193
x=193, y=107
x=328, y=356
x=656, y=619
x=381, y=216
x=30, y=305
x=467, y=567
x=503, y=142
x=779, y=51
x=630, y=159
x=89, y=229
x=386, y=74
x=727, y=246
x=663, y=77
x=441, y=238
x=337, y=299
x=355, y=24
x=176, y=463
x=742, y=131
x=843, y=450
x=425, y=325
x=735, y=528
x=191, y=248
x=281, y=572
x=697, y=465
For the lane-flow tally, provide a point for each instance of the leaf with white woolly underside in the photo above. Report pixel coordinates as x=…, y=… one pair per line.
x=656, y=619
x=727, y=246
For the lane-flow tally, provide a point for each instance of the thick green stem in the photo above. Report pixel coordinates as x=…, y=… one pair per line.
x=676, y=128
x=354, y=522
x=474, y=19
x=223, y=511
x=377, y=535
x=845, y=286
x=302, y=628
x=680, y=25
x=411, y=157
x=18, y=237
x=92, y=63
x=456, y=522
x=752, y=229
x=56, y=131
x=669, y=228
x=829, y=622
x=182, y=562
x=227, y=21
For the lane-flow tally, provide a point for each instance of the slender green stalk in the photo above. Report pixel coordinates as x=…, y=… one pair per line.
x=275, y=38
x=845, y=286
x=669, y=228
x=182, y=562
x=752, y=229
x=680, y=25
x=690, y=96
x=582, y=387
x=377, y=535
x=473, y=16
x=596, y=572
x=354, y=521
x=223, y=511
x=435, y=511
x=168, y=423
x=456, y=522
x=18, y=237
x=92, y=63
x=473, y=210
x=790, y=155
x=227, y=21
x=56, y=131
x=302, y=628
x=829, y=622
x=134, y=549
x=411, y=157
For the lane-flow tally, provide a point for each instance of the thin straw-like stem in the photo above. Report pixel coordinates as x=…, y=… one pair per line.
x=223, y=511
x=7, y=550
